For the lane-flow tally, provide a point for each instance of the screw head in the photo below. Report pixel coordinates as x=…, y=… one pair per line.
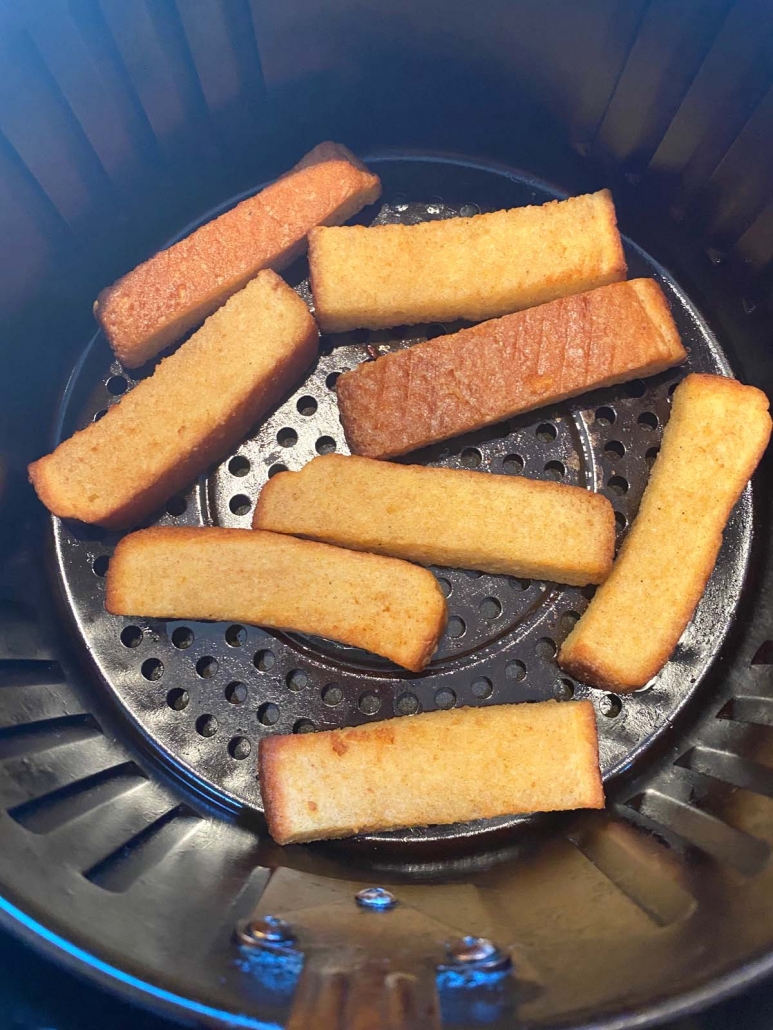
x=267, y=930
x=478, y=952
x=375, y=898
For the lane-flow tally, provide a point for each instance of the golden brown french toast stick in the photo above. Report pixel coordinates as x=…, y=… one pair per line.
x=197, y=404
x=161, y=299
x=476, y=268
x=469, y=520
x=459, y=383
x=387, y=606
x=382, y=776
x=715, y=437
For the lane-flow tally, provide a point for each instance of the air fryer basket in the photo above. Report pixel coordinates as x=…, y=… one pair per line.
x=131, y=838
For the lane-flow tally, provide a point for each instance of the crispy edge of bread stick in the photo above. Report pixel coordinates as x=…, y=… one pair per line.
x=386, y=775
x=384, y=605
x=712, y=444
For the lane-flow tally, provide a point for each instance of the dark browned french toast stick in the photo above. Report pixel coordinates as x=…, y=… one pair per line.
x=161, y=299
x=476, y=377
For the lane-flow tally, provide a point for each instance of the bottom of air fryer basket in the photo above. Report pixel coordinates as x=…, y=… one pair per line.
x=202, y=695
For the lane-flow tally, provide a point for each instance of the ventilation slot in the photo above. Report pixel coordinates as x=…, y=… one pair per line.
x=120, y=869
x=730, y=768
x=666, y=815
x=42, y=736
x=49, y=812
x=757, y=710
x=22, y=672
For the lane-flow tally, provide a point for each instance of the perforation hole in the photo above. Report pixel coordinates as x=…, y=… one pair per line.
x=545, y=648
x=636, y=388
x=673, y=387
x=445, y=698
x=555, y=470
x=515, y=670
x=614, y=449
x=470, y=457
x=240, y=504
x=618, y=485
x=605, y=416
x=306, y=406
x=268, y=714
x=650, y=456
x=369, y=703
x=445, y=586
x=610, y=705
x=589, y=591
x=407, y=704
x=564, y=690
x=325, y=445
x=456, y=627
x=513, y=464
x=116, y=385
x=519, y=584
x=99, y=415
x=235, y=636
x=620, y=521
x=152, y=669
x=490, y=608
x=236, y=692
x=331, y=380
x=482, y=687
x=239, y=465
x=303, y=726
x=332, y=695
x=206, y=725
x=276, y=469
x=177, y=699
x=297, y=679
x=207, y=667
x=287, y=437
x=239, y=748
x=435, y=329
x=264, y=661
x=182, y=637
x=569, y=620
x=176, y=506
x=469, y=210
x=648, y=420
x=100, y=565
x=546, y=432
x=131, y=636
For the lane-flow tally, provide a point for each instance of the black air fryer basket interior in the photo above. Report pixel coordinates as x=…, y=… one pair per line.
x=131, y=837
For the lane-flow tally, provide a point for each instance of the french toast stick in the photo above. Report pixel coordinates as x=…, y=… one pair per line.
x=474, y=378
x=470, y=520
x=716, y=435
x=385, y=775
x=475, y=268
x=194, y=407
x=161, y=299
x=387, y=606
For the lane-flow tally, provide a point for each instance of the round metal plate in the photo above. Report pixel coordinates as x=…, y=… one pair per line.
x=204, y=694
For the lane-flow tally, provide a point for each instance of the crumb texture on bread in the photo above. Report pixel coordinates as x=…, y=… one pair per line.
x=470, y=520
x=474, y=378
x=387, y=775
x=197, y=404
x=383, y=605
x=157, y=302
x=476, y=268
x=715, y=437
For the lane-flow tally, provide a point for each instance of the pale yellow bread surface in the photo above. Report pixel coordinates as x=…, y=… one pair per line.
x=716, y=435
x=194, y=407
x=387, y=606
x=475, y=268
x=157, y=302
x=408, y=771
x=469, y=520
x=474, y=378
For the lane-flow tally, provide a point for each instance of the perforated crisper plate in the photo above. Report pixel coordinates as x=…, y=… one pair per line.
x=204, y=694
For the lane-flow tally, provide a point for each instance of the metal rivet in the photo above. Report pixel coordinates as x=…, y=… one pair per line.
x=478, y=952
x=376, y=898
x=268, y=930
